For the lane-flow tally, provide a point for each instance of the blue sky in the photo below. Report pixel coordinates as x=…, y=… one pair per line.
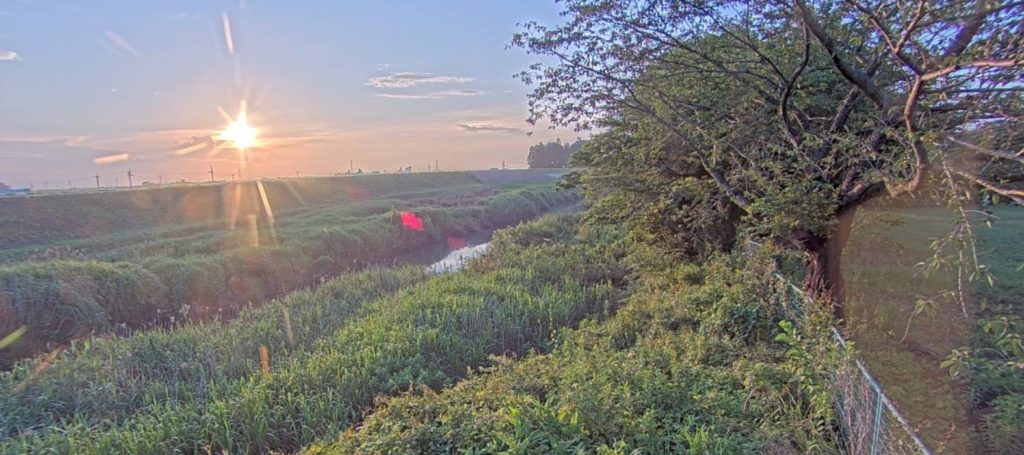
x=98, y=87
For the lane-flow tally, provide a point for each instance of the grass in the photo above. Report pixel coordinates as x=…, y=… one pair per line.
x=690, y=364
x=565, y=338
x=885, y=287
x=203, y=390
x=154, y=278
x=112, y=378
x=44, y=220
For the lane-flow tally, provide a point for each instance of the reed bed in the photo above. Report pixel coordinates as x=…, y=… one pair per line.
x=155, y=283
x=428, y=334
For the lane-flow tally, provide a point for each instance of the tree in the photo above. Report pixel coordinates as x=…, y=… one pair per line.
x=791, y=114
x=551, y=154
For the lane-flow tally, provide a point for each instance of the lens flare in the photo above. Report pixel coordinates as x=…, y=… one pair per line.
x=239, y=133
x=411, y=221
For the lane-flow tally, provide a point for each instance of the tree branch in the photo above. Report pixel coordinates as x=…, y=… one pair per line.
x=851, y=73
x=1016, y=195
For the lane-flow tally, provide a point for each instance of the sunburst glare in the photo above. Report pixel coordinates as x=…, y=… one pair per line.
x=239, y=133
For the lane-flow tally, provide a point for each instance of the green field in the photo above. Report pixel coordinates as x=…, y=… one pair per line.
x=692, y=362
x=563, y=338
x=886, y=284
x=189, y=265
x=568, y=336
x=355, y=337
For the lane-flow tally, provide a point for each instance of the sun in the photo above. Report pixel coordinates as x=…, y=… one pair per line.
x=239, y=133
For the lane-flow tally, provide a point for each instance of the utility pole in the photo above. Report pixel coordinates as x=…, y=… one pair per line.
x=436, y=168
x=129, y=178
x=351, y=166
x=97, y=180
x=211, y=172
x=161, y=179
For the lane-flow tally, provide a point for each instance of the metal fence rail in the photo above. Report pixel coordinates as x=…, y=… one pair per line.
x=869, y=420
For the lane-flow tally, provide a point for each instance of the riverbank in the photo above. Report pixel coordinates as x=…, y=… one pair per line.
x=145, y=282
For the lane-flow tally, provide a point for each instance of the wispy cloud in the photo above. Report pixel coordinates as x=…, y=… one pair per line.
x=6, y=54
x=466, y=92
x=432, y=95
x=108, y=159
x=119, y=42
x=195, y=144
x=402, y=96
x=410, y=79
x=489, y=128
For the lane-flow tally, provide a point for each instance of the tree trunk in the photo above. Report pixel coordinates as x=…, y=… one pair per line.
x=824, y=279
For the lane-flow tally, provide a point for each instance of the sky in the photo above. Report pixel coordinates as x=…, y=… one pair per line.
x=100, y=87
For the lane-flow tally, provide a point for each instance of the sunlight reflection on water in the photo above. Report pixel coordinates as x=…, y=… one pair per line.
x=456, y=259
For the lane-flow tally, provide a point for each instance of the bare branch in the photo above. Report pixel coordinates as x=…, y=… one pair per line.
x=987, y=151
x=1008, y=63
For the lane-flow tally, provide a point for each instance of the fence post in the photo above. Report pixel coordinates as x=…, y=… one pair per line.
x=877, y=421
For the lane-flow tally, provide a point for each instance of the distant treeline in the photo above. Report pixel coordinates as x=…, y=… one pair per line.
x=552, y=154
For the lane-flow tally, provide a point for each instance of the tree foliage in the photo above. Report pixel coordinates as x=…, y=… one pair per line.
x=782, y=117
x=551, y=154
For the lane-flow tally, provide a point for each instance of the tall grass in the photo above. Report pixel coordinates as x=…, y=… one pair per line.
x=41, y=220
x=428, y=334
x=694, y=362
x=112, y=378
x=61, y=300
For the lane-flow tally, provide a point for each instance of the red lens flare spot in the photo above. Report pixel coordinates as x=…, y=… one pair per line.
x=411, y=221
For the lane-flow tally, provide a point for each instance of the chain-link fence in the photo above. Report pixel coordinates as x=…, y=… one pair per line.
x=870, y=422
